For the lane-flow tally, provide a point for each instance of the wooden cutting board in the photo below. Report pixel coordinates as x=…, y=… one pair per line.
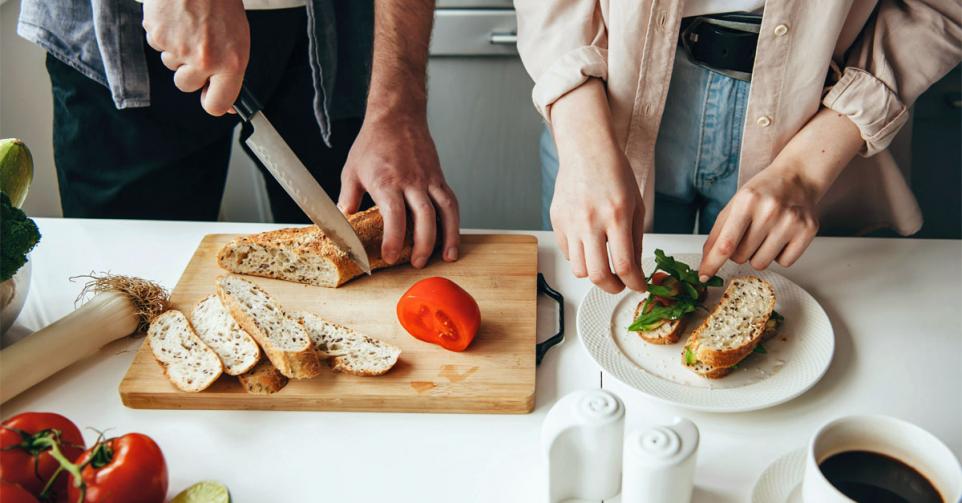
x=495, y=375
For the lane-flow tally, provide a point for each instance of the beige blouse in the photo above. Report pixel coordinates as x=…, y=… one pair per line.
x=867, y=59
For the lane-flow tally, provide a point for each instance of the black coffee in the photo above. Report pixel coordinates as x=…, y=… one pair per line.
x=870, y=477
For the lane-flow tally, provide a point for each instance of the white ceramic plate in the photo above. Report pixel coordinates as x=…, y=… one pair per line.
x=781, y=482
x=797, y=357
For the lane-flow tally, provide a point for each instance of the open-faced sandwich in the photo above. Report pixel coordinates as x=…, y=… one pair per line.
x=674, y=292
x=735, y=329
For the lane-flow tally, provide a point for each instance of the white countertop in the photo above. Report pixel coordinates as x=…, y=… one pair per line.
x=895, y=305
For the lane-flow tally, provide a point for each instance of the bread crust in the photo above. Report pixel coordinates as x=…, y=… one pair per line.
x=308, y=241
x=302, y=364
x=728, y=357
x=677, y=327
x=263, y=379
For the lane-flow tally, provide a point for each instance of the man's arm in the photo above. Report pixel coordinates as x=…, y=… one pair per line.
x=394, y=158
x=205, y=42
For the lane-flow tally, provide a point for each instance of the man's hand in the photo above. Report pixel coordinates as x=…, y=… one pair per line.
x=597, y=206
x=205, y=42
x=394, y=158
x=773, y=216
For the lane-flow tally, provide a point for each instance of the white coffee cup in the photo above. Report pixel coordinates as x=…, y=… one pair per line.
x=886, y=435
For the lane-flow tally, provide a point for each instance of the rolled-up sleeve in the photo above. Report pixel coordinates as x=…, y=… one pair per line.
x=562, y=44
x=906, y=47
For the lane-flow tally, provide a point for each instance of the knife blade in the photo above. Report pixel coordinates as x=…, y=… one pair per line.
x=268, y=145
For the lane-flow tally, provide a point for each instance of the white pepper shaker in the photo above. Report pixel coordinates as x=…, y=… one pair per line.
x=659, y=463
x=582, y=438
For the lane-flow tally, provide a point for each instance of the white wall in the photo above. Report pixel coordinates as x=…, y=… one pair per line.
x=26, y=112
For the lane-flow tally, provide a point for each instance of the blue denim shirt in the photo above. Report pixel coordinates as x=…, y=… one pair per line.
x=104, y=40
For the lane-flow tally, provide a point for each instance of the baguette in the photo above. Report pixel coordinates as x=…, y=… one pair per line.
x=263, y=379
x=284, y=341
x=734, y=327
x=187, y=362
x=346, y=350
x=667, y=333
x=214, y=325
x=306, y=255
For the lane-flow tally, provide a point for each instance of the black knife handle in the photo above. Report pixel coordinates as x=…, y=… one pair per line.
x=246, y=104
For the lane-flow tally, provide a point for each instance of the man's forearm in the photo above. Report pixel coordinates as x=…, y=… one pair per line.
x=402, y=33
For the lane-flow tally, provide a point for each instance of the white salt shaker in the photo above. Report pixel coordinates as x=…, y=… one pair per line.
x=659, y=463
x=582, y=438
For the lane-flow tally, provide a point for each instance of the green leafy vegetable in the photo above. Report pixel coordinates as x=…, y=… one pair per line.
x=759, y=349
x=689, y=357
x=683, y=293
x=18, y=235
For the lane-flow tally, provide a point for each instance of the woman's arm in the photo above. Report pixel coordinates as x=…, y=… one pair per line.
x=773, y=217
x=597, y=206
x=906, y=46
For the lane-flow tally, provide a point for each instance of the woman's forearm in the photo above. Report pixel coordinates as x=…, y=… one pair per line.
x=582, y=118
x=818, y=153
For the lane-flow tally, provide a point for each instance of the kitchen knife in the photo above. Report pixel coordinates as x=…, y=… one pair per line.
x=268, y=145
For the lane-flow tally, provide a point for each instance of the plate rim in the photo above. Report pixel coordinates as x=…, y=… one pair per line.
x=720, y=408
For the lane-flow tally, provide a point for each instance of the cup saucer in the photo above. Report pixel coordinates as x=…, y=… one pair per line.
x=781, y=482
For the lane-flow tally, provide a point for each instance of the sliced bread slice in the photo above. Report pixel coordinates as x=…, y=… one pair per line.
x=346, y=350
x=306, y=255
x=736, y=325
x=283, y=339
x=667, y=333
x=217, y=328
x=187, y=362
x=263, y=379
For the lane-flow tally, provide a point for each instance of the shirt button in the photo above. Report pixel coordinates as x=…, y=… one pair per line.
x=764, y=121
x=781, y=30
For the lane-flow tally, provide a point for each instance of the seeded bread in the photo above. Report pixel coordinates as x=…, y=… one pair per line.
x=346, y=350
x=214, y=325
x=263, y=379
x=306, y=255
x=187, y=362
x=667, y=333
x=283, y=339
x=736, y=325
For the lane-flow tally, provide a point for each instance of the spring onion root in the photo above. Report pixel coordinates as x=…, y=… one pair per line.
x=118, y=306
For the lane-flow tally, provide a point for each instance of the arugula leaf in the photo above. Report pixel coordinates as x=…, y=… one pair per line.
x=660, y=291
x=690, y=290
x=715, y=281
x=658, y=314
x=760, y=349
x=777, y=316
x=689, y=357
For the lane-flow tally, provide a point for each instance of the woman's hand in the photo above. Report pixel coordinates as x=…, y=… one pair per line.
x=597, y=206
x=773, y=217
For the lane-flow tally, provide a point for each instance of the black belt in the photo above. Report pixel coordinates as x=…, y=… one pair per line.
x=723, y=42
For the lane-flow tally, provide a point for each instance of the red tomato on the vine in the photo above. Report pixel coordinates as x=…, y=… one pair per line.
x=25, y=458
x=130, y=469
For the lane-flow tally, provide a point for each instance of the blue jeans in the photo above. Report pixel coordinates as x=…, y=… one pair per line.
x=696, y=154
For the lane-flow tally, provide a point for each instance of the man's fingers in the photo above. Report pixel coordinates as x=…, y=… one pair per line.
x=447, y=205
x=393, y=211
x=733, y=228
x=425, y=226
x=599, y=271
x=189, y=78
x=152, y=40
x=349, y=200
x=625, y=259
x=222, y=92
x=170, y=61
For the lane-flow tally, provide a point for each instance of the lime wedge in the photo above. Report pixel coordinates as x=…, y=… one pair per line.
x=16, y=170
x=207, y=491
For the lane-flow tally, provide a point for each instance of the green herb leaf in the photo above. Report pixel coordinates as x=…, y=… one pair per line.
x=759, y=349
x=658, y=314
x=691, y=291
x=777, y=316
x=715, y=281
x=660, y=291
x=689, y=357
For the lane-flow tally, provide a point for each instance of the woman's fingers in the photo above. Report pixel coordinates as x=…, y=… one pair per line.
x=576, y=258
x=723, y=240
x=798, y=244
x=625, y=258
x=596, y=261
x=772, y=246
x=758, y=229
